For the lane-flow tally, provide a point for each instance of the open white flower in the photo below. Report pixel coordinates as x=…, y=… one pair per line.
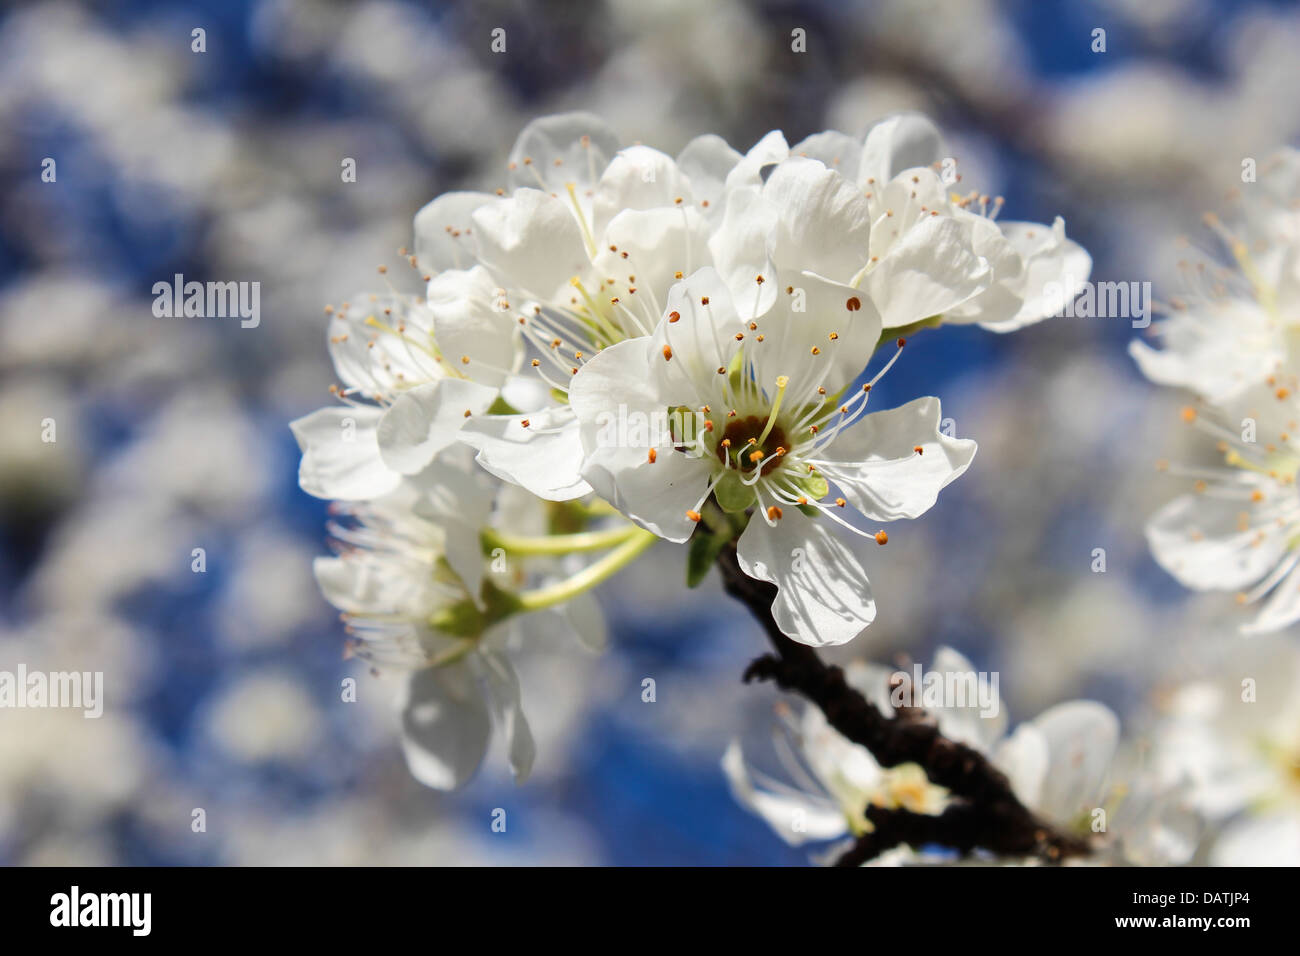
x=1235, y=328
x=1238, y=529
x=760, y=417
x=836, y=780
x=1058, y=763
x=1235, y=740
x=402, y=401
x=1234, y=342
x=411, y=583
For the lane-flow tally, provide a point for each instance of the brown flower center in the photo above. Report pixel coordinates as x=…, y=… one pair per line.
x=736, y=442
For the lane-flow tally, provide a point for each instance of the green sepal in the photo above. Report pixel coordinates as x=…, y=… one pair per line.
x=462, y=619
x=498, y=604
x=704, y=548
x=467, y=619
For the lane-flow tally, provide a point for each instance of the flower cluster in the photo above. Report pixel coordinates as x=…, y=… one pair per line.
x=1232, y=341
x=620, y=346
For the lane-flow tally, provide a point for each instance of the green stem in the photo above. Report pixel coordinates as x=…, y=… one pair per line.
x=555, y=543
x=637, y=542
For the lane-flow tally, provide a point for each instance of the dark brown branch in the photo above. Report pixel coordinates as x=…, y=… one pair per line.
x=957, y=827
x=987, y=816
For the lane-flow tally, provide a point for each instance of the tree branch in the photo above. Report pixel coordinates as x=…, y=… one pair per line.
x=987, y=814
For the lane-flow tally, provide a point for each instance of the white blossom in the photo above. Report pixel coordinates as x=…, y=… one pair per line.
x=1234, y=740
x=1236, y=529
x=1234, y=327
x=772, y=426
x=1059, y=764
x=409, y=578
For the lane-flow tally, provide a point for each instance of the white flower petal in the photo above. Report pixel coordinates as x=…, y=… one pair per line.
x=1025, y=757
x=824, y=223
x=503, y=689
x=971, y=724
x=532, y=242
x=1005, y=296
x=823, y=595
x=427, y=419
x=545, y=457
x=768, y=151
x=796, y=820
x=706, y=160
x=846, y=770
x=1199, y=540
x=741, y=247
x=875, y=464
x=929, y=270
x=553, y=151
x=623, y=416
x=1269, y=839
x=655, y=495
x=1281, y=610
x=639, y=178
x=457, y=496
x=471, y=320
x=700, y=340
x=1081, y=738
x=340, y=454
x=827, y=343
x=897, y=143
x=445, y=726
x=367, y=357
x=653, y=245
x=444, y=238
x=587, y=620
x=1056, y=269
x=375, y=582
x=836, y=150
x=1218, y=350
